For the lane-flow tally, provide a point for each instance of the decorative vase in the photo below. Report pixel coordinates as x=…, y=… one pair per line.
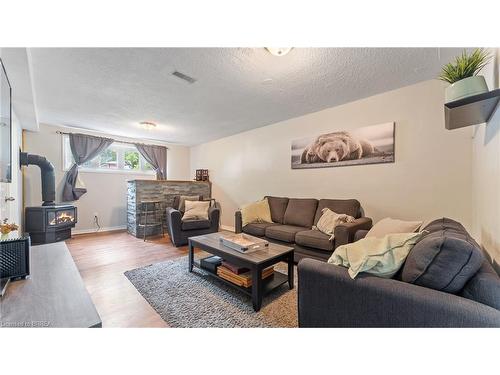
x=466, y=87
x=4, y=236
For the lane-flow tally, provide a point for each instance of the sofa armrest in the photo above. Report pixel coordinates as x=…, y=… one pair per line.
x=238, y=223
x=328, y=297
x=174, y=220
x=360, y=234
x=344, y=233
x=214, y=216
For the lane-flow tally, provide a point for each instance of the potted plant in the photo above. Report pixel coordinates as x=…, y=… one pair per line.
x=462, y=74
x=6, y=228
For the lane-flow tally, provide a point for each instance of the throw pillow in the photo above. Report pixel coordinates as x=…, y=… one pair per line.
x=443, y=259
x=257, y=212
x=329, y=220
x=382, y=257
x=391, y=226
x=184, y=198
x=196, y=210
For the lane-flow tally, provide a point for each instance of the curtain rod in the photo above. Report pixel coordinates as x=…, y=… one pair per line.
x=114, y=140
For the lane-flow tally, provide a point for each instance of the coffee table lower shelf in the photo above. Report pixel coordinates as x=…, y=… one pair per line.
x=257, y=262
x=269, y=283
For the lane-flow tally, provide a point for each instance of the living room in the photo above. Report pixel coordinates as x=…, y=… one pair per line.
x=182, y=185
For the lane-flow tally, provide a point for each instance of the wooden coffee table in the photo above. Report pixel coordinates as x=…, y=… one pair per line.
x=256, y=262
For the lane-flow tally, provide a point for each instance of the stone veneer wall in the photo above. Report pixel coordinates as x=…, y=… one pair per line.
x=163, y=191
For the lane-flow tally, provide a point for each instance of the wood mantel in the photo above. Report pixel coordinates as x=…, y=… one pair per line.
x=139, y=180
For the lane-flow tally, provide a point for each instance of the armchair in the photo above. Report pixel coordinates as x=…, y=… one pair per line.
x=179, y=230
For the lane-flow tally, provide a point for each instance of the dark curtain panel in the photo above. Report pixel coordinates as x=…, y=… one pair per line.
x=157, y=157
x=84, y=148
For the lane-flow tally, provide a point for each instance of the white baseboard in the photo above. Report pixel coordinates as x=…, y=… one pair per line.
x=94, y=230
x=122, y=227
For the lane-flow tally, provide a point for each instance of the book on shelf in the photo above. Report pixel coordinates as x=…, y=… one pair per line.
x=211, y=263
x=244, y=279
x=235, y=269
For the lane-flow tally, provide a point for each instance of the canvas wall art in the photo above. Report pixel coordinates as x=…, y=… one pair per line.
x=367, y=145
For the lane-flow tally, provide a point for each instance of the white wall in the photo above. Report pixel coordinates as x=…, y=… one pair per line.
x=430, y=178
x=486, y=175
x=12, y=210
x=106, y=192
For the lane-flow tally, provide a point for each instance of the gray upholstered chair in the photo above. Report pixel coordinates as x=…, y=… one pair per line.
x=180, y=230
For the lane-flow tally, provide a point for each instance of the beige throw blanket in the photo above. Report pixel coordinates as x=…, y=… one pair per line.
x=379, y=256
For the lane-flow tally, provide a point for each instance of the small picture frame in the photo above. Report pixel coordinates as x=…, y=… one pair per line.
x=204, y=174
x=198, y=175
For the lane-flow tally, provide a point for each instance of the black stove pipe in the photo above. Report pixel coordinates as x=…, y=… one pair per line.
x=47, y=173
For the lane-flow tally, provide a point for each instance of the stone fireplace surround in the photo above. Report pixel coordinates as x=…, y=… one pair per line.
x=163, y=191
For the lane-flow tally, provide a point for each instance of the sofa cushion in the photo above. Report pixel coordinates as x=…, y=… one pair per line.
x=300, y=212
x=278, y=208
x=444, y=259
x=484, y=287
x=285, y=233
x=257, y=229
x=349, y=207
x=195, y=224
x=315, y=239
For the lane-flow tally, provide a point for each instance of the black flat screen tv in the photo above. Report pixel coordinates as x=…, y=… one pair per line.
x=5, y=126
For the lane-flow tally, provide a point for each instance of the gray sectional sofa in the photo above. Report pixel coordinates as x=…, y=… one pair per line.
x=445, y=282
x=293, y=219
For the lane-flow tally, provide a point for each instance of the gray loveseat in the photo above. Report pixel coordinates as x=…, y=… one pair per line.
x=180, y=230
x=293, y=219
x=448, y=283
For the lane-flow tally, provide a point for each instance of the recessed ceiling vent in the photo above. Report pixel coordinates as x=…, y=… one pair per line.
x=184, y=77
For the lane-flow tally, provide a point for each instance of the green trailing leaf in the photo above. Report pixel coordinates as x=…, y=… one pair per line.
x=466, y=65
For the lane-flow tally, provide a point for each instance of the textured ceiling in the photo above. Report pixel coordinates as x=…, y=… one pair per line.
x=236, y=89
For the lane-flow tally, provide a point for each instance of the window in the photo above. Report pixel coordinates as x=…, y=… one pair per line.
x=131, y=160
x=119, y=157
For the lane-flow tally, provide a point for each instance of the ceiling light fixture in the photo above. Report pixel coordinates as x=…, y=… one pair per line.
x=279, y=51
x=147, y=125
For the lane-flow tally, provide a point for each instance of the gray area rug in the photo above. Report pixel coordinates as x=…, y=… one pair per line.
x=197, y=299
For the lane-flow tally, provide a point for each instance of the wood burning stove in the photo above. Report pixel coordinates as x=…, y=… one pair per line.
x=47, y=224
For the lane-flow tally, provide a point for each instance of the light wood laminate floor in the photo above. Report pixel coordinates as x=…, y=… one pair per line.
x=102, y=258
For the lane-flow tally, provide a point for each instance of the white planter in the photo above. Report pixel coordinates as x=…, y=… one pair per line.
x=466, y=87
